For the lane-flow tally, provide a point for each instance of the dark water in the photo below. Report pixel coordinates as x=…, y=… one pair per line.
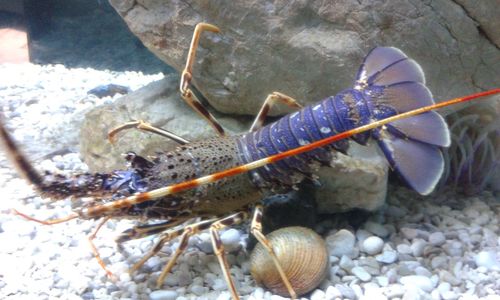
x=83, y=33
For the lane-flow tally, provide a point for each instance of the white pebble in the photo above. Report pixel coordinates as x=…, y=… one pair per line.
x=163, y=295
x=422, y=271
x=347, y=292
x=198, y=290
x=487, y=259
x=373, y=245
x=382, y=280
x=443, y=287
x=318, y=295
x=346, y=263
x=437, y=238
x=341, y=243
x=404, y=249
x=409, y=233
x=361, y=273
x=376, y=229
x=231, y=239
x=332, y=293
x=449, y=295
x=387, y=257
x=417, y=247
x=422, y=282
x=395, y=290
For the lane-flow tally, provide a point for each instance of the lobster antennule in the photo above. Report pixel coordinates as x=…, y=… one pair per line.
x=57, y=186
x=396, y=84
x=22, y=165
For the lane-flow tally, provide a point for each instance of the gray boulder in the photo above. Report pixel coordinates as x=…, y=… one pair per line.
x=355, y=181
x=312, y=49
x=159, y=104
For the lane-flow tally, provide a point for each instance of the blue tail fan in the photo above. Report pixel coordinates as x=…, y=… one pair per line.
x=392, y=83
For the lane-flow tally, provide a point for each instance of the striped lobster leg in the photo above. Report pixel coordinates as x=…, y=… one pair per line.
x=141, y=125
x=256, y=230
x=268, y=104
x=186, y=77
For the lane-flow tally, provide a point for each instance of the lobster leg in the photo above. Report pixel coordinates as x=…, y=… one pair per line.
x=141, y=231
x=141, y=125
x=219, y=247
x=185, y=233
x=266, y=107
x=256, y=230
x=186, y=76
x=91, y=238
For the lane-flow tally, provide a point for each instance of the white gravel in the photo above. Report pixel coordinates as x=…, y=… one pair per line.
x=413, y=248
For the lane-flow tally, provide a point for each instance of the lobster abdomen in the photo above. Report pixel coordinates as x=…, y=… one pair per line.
x=388, y=83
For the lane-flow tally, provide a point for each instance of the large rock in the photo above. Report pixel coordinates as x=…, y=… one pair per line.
x=355, y=181
x=312, y=49
x=158, y=103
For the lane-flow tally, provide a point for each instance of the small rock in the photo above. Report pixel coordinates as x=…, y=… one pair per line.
x=412, y=293
x=376, y=229
x=231, y=239
x=453, y=248
x=357, y=290
x=372, y=291
x=332, y=293
x=449, y=295
x=395, y=290
x=362, y=235
x=387, y=257
x=163, y=295
x=422, y=271
x=258, y=293
x=198, y=290
x=346, y=291
x=439, y=262
x=382, y=281
x=409, y=233
x=361, y=273
x=437, y=238
x=318, y=295
x=395, y=211
x=371, y=265
x=373, y=245
x=422, y=282
x=404, y=249
x=417, y=247
x=341, y=243
x=487, y=259
x=443, y=287
x=346, y=263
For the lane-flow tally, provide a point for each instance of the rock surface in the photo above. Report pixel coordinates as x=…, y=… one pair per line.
x=355, y=181
x=312, y=49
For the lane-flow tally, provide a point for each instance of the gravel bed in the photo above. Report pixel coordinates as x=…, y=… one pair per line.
x=439, y=247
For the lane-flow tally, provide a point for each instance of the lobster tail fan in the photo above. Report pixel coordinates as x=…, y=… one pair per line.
x=420, y=164
x=387, y=65
x=392, y=83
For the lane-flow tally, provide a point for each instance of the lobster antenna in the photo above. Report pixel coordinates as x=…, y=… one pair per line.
x=186, y=185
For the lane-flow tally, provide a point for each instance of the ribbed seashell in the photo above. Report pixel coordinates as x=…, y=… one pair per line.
x=302, y=254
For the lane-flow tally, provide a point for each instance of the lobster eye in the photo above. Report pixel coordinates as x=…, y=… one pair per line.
x=129, y=156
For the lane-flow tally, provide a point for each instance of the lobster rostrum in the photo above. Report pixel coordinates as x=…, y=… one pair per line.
x=205, y=179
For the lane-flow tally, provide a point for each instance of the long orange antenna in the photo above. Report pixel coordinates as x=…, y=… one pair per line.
x=186, y=185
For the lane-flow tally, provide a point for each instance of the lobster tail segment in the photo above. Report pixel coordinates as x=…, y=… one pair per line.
x=395, y=84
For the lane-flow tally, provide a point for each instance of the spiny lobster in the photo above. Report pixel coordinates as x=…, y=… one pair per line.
x=204, y=179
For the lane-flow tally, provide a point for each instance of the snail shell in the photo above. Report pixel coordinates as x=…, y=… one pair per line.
x=302, y=254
